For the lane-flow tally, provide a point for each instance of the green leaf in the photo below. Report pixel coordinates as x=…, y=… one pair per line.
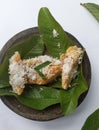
x=30, y=47
x=57, y=83
x=53, y=35
x=36, y=97
x=7, y=91
x=39, y=97
x=92, y=122
x=93, y=9
x=69, y=98
x=37, y=68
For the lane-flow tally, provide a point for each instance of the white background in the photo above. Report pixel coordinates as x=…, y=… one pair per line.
x=17, y=15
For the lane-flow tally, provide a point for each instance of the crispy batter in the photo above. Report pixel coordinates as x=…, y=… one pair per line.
x=22, y=71
x=18, y=89
x=70, y=61
x=15, y=76
x=26, y=74
x=51, y=71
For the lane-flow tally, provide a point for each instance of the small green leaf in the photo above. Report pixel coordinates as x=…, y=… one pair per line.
x=37, y=68
x=93, y=9
x=41, y=74
x=92, y=122
x=30, y=47
x=42, y=65
x=53, y=35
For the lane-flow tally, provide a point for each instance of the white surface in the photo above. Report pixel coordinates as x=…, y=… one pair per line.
x=17, y=15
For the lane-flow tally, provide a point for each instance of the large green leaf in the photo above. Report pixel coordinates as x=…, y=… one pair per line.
x=30, y=47
x=93, y=9
x=69, y=99
x=39, y=97
x=7, y=91
x=47, y=24
x=92, y=122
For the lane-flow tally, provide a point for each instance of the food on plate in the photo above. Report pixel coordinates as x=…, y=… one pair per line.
x=38, y=80
x=25, y=71
x=17, y=73
x=43, y=69
x=70, y=61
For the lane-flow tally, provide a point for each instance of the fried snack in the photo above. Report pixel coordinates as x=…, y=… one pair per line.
x=16, y=73
x=70, y=61
x=22, y=71
x=50, y=71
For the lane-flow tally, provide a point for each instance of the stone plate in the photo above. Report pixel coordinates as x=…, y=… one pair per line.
x=53, y=111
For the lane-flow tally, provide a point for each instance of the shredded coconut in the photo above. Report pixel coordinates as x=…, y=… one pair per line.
x=68, y=62
x=22, y=72
x=29, y=68
x=80, y=59
x=58, y=44
x=16, y=71
x=30, y=72
x=55, y=33
x=66, y=68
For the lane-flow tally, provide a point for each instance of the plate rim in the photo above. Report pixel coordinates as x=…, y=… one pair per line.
x=19, y=36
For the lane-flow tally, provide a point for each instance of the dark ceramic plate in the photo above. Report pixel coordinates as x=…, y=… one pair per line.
x=51, y=112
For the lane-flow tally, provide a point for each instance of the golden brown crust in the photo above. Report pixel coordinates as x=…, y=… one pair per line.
x=70, y=62
x=31, y=76
x=54, y=72
x=67, y=65
x=15, y=61
x=18, y=90
x=16, y=57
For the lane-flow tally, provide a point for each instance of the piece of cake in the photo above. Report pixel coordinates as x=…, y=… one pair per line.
x=23, y=72
x=70, y=61
x=50, y=71
x=17, y=73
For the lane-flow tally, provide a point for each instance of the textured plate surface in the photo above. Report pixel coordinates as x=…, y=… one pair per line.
x=51, y=112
